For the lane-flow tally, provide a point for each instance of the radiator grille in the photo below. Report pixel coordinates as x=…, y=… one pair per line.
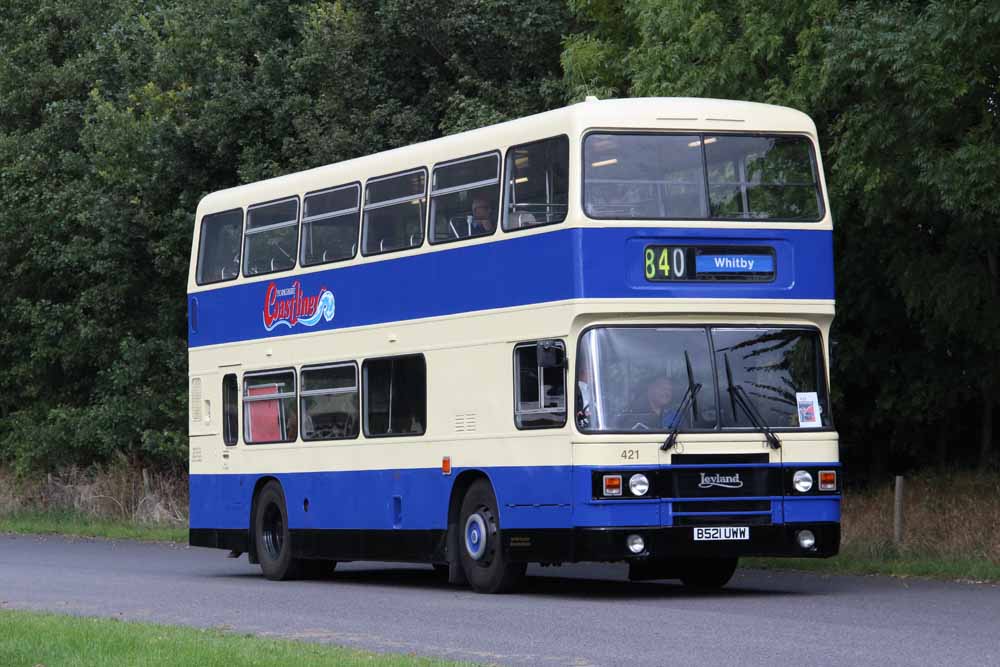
x=724, y=506
x=724, y=520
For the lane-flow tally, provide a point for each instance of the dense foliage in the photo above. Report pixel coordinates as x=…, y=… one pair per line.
x=116, y=117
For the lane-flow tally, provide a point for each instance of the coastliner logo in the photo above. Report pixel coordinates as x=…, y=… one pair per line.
x=725, y=481
x=289, y=306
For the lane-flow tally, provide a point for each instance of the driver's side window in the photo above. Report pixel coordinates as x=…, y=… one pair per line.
x=540, y=384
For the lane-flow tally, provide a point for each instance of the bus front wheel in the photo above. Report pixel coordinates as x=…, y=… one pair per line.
x=270, y=529
x=481, y=553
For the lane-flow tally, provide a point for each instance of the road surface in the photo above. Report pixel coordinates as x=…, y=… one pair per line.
x=574, y=615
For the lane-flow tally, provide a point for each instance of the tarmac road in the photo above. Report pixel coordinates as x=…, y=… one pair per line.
x=574, y=615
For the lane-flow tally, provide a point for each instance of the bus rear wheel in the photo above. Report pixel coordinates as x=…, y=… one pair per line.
x=480, y=549
x=272, y=537
x=709, y=573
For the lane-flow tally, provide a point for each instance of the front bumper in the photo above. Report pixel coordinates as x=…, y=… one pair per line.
x=608, y=544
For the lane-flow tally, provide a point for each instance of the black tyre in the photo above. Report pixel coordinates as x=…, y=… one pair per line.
x=480, y=549
x=273, y=540
x=709, y=573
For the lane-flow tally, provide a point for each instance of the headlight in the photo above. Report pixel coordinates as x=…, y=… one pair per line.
x=638, y=484
x=802, y=481
x=806, y=539
x=635, y=544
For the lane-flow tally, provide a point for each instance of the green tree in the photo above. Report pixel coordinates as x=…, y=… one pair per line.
x=119, y=116
x=917, y=150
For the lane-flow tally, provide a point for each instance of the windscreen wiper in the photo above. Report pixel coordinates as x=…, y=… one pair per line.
x=738, y=395
x=694, y=401
x=689, y=397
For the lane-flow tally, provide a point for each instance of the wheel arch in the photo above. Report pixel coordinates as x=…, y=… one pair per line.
x=461, y=485
x=258, y=485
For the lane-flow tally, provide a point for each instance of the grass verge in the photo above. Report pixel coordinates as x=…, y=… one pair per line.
x=948, y=530
x=28, y=638
x=953, y=569
x=81, y=525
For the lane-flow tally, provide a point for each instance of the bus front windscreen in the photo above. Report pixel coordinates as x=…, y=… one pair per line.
x=778, y=370
x=698, y=176
x=635, y=379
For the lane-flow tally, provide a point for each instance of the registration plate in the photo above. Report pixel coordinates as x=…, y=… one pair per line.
x=719, y=533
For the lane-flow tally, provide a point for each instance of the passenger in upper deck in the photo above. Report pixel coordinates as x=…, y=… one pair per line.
x=483, y=220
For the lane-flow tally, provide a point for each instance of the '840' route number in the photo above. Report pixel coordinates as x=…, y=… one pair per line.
x=664, y=263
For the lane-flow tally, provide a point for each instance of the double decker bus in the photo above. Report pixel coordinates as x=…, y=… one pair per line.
x=598, y=333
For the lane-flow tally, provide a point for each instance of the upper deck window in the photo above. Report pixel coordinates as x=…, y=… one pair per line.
x=394, y=212
x=762, y=178
x=465, y=199
x=219, y=247
x=697, y=177
x=537, y=190
x=330, y=225
x=271, y=238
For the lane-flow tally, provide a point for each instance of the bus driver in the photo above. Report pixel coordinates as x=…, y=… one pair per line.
x=658, y=411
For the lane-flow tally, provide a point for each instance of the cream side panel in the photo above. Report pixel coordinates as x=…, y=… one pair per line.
x=470, y=387
x=795, y=447
x=204, y=403
x=548, y=448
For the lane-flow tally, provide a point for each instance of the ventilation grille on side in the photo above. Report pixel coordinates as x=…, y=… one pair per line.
x=465, y=423
x=196, y=400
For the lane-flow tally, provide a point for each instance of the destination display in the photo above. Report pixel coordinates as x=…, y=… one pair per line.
x=719, y=263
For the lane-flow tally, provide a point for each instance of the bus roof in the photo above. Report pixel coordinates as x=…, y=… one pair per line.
x=649, y=113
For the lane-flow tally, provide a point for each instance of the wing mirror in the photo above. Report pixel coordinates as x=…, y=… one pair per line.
x=551, y=354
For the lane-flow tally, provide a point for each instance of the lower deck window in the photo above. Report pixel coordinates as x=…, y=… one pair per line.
x=269, y=409
x=329, y=399
x=395, y=396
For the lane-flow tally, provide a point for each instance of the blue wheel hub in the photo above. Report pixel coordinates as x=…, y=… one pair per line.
x=476, y=536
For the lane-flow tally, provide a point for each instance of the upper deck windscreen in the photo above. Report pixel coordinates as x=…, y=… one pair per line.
x=700, y=177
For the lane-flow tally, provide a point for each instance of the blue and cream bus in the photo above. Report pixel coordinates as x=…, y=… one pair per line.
x=599, y=333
